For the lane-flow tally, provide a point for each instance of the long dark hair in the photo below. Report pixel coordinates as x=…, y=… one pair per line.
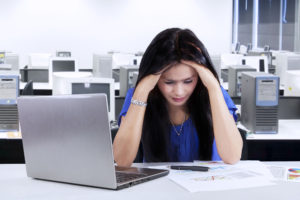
x=166, y=49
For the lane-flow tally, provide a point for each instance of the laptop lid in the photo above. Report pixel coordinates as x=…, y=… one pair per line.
x=68, y=139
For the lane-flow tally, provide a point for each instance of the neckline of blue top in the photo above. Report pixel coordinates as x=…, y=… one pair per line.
x=186, y=120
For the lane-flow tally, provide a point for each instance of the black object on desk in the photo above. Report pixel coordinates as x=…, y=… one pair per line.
x=192, y=168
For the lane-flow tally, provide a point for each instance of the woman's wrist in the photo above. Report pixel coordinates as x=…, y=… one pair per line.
x=214, y=88
x=140, y=94
x=138, y=103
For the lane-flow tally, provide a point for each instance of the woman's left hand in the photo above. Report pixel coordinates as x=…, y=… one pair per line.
x=206, y=76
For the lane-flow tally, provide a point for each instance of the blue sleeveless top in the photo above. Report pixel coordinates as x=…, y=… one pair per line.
x=185, y=147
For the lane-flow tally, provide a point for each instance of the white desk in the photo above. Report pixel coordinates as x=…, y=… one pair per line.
x=15, y=185
x=287, y=130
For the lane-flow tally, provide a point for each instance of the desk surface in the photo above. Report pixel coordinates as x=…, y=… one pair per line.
x=287, y=130
x=15, y=184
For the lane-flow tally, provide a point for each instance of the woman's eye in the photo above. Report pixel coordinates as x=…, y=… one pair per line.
x=169, y=82
x=188, y=81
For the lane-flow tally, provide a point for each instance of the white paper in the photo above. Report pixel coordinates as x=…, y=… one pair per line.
x=244, y=174
x=285, y=173
x=279, y=172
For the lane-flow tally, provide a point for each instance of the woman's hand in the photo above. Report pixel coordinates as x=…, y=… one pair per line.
x=206, y=76
x=148, y=83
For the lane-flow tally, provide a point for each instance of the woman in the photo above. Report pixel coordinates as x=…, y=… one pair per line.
x=178, y=110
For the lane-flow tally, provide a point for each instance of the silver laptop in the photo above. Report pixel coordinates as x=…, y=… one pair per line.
x=68, y=139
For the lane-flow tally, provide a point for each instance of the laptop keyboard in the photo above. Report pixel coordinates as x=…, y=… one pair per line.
x=124, y=177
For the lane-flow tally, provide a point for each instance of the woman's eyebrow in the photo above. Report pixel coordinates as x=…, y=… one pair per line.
x=189, y=78
x=168, y=79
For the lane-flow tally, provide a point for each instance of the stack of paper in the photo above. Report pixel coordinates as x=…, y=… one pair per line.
x=222, y=176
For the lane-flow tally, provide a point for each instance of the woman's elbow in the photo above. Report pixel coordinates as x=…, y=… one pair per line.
x=121, y=160
x=233, y=158
x=235, y=155
x=123, y=163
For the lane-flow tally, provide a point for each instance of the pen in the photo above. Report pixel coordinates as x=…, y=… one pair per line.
x=192, y=168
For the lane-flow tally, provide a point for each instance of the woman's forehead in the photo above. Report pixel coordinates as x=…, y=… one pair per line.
x=179, y=71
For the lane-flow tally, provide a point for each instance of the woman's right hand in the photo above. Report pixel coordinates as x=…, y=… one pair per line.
x=147, y=84
x=128, y=138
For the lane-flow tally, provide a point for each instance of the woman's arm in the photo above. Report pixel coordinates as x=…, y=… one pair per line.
x=127, y=140
x=228, y=139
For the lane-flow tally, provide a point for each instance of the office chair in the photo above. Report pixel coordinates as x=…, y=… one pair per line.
x=28, y=89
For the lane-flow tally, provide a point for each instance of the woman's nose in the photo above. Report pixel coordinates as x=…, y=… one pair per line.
x=178, y=90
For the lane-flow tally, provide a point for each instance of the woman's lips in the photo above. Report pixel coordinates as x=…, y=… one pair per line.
x=178, y=99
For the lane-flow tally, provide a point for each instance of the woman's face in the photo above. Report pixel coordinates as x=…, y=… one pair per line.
x=178, y=83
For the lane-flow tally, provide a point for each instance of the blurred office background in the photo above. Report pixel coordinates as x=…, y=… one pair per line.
x=58, y=47
x=88, y=26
